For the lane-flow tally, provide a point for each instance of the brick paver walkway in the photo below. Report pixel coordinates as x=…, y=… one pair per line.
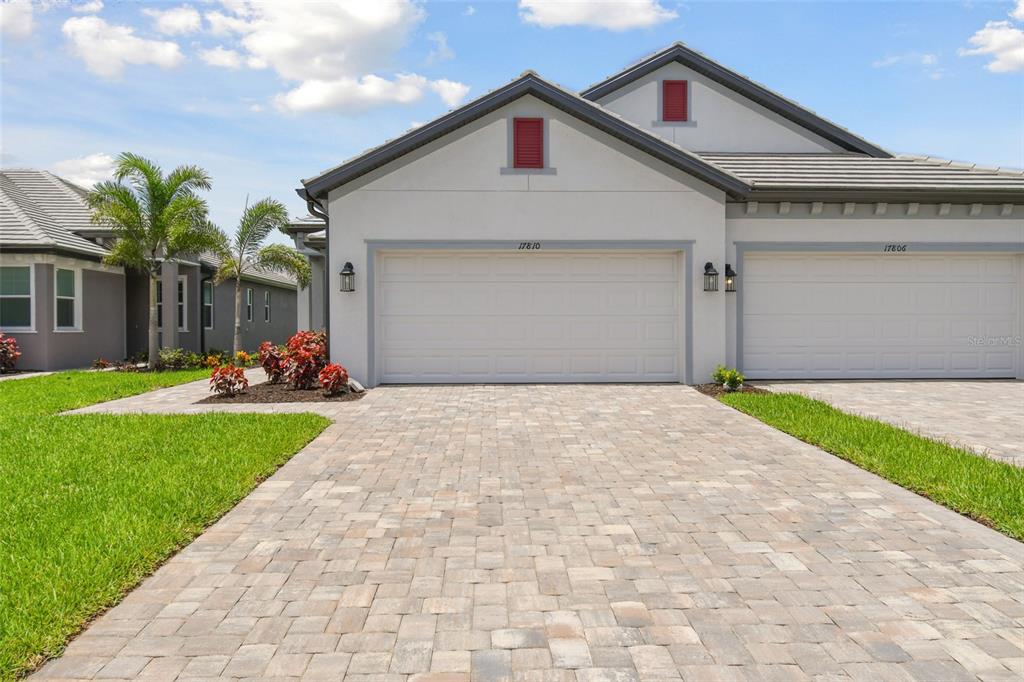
x=569, y=533
x=984, y=416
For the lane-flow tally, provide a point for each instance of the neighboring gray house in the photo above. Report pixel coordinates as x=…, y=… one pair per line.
x=670, y=218
x=67, y=308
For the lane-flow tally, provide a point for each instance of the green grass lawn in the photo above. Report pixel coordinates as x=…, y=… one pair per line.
x=988, y=491
x=94, y=503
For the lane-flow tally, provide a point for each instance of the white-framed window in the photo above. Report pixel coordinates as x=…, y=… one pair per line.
x=207, y=304
x=17, y=298
x=160, y=304
x=182, y=303
x=266, y=306
x=248, y=305
x=67, y=299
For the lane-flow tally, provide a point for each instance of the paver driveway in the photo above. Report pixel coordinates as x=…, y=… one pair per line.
x=985, y=416
x=569, y=533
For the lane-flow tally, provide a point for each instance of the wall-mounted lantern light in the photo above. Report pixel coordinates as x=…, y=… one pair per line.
x=710, y=277
x=730, y=279
x=348, y=278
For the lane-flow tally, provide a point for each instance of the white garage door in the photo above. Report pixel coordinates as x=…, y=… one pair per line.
x=879, y=315
x=529, y=317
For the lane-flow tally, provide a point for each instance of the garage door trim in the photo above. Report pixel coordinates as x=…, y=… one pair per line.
x=742, y=248
x=374, y=246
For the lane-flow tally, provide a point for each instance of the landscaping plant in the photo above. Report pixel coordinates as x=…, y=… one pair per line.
x=155, y=218
x=728, y=378
x=306, y=356
x=333, y=379
x=245, y=253
x=9, y=353
x=228, y=381
x=271, y=359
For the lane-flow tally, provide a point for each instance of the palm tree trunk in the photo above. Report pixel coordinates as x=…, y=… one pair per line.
x=154, y=330
x=238, y=316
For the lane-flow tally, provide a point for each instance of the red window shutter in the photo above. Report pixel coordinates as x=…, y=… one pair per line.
x=528, y=142
x=674, y=101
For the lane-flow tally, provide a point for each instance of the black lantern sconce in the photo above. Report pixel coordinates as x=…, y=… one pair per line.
x=348, y=278
x=730, y=279
x=710, y=277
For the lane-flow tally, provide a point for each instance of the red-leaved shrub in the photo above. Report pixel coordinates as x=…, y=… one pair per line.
x=228, y=380
x=333, y=379
x=272, y=360
x=306, y=356
x=9, y=353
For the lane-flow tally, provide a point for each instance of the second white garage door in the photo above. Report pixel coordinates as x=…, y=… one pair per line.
x=450, y=317
x=850, y=315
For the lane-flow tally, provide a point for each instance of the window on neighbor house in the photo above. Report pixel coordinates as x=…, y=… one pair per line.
x=160, y=304
x=16, y=297
x=65, y=299
x=182, y=303
x=248, y=305
x=674, y=101
x=266, y=306
x=528, y=142
x=208, y=304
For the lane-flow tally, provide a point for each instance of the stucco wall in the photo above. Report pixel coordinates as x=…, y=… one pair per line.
x=102, y=316
x=459, y=188
x=721, y=120
x=283, y=316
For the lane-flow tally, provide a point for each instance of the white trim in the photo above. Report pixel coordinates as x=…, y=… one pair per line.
x=31, y=299
x=266, y=306
x=181, y=289
x=248, y=304
x=78, y=326
x=202, y=303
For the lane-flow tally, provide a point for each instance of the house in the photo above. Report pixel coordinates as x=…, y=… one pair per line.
x=672, y=217
x=67, y=308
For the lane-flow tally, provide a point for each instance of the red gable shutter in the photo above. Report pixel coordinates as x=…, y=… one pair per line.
x=674, y=101
x=528, y=142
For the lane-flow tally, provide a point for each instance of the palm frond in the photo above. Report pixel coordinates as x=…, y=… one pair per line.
x=187, y=179
x=258, y=221
x=191, y=238
x=284, y=259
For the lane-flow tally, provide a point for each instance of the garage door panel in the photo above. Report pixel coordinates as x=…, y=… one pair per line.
x=868, y=315
x=553, y=316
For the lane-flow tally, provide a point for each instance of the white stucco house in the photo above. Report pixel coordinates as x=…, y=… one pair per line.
x=542, y=235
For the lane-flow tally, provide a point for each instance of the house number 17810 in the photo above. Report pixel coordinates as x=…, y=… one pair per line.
x=529, y=246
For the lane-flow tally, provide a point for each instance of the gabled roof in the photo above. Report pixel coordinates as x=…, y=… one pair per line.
x=744, y=86
x=39, y=210
x=527, y=84
x=847, y=176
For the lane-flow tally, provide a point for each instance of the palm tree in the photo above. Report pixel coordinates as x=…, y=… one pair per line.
x=155, y=218
x=245, y=253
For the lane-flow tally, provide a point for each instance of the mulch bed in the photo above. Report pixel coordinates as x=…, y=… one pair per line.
x=280, y=393
x=715, y=390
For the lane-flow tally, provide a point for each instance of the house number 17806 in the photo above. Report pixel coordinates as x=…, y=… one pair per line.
x=895, y=248
x=529, y=246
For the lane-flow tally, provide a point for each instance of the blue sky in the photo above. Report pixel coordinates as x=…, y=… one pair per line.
x=263, y=94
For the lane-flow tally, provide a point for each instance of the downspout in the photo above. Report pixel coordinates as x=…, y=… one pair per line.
x=316, y=208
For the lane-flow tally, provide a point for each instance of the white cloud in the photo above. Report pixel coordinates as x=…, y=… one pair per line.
x=16, y=19
x=219, y=56
x=614, y=15
x=908, y=58
x=1001, y=41
x=107, y=48
x=441, y=52
x=175, y=21
x=1018, y=11
x=87, y=170
x=335, y=51
x=470, y=10
x=451, y=92
x=351, y=94
x=87, y=7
